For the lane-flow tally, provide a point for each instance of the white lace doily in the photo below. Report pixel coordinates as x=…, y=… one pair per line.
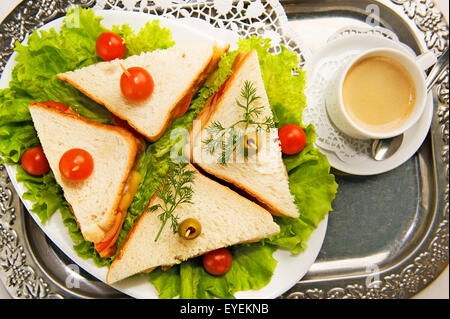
x=347, y=149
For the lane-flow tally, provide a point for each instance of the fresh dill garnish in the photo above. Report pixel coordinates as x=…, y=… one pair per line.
x=176, y=189
x=228, y=139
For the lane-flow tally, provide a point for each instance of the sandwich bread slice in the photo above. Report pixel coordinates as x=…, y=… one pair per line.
x=226, y=219
x=261, y=175
x=177, y=72
x=99, y=203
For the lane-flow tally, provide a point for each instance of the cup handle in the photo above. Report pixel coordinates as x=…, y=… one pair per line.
x=426, y=60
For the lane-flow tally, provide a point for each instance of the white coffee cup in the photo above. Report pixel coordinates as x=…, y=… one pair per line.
x=415, y=67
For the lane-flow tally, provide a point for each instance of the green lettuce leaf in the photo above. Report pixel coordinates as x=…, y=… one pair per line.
x=148, y=38
x=252, y=268
x=46, y=194
x=48, y=53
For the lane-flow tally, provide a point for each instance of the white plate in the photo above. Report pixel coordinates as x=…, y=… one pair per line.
x=335, y=146
x=290, y=268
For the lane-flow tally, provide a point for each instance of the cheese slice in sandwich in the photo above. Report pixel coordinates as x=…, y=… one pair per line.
x=100, y=202
x=177, y=72
x=226, y=219
x=262, y=174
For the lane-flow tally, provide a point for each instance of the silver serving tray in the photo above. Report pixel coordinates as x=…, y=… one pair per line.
x=388, y=234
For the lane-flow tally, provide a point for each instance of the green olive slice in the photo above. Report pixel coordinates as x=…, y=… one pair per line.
x=190, y=228
x=251, y=142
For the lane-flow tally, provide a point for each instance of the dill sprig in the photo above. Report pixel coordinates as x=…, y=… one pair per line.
x=228, y=139
x=176, y=189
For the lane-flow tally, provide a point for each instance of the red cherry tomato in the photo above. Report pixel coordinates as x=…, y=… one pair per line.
x=110, y=46
x=34, y=161
x=292, y=138
x=185, y=105
x=136, y=84
x=217, y=262
x=76, y=165
x=57, y=105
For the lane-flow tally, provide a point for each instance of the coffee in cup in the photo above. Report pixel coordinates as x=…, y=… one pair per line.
x=378, y=94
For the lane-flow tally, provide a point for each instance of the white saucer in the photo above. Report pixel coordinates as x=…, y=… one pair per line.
x=344, y=153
